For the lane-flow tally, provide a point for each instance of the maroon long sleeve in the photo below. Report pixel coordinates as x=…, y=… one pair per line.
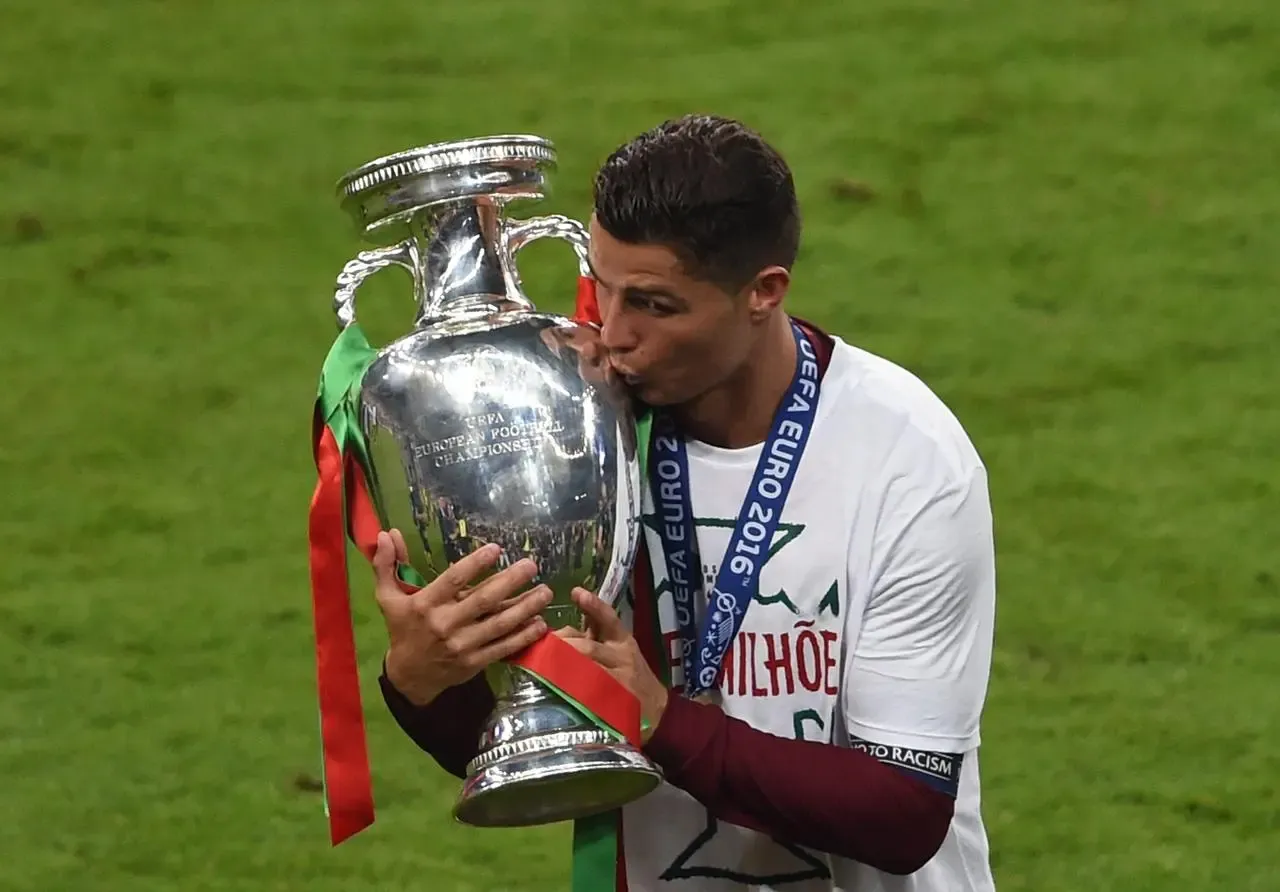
x=832, y=799
x=448, y=729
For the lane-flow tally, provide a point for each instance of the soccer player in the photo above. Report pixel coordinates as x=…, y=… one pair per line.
x=826, y=657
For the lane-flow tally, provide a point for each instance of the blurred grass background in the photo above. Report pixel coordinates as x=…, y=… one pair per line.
x=1064, y=216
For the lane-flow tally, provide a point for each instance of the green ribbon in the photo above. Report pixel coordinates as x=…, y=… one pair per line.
x=337, y=400
x=644, y=433
x=336, y=395
x=596, y=838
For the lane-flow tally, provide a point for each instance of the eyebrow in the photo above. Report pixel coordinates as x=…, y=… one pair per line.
x=635, y=290
x=591, y=268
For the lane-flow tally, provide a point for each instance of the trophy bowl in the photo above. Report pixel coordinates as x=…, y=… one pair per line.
x=491, y=422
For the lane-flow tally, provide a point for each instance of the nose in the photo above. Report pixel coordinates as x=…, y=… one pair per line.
x=616, y=332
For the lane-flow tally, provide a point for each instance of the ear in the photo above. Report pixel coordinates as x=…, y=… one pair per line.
x=765, y=292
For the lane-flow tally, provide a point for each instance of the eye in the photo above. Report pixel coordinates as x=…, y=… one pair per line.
x=655, y=306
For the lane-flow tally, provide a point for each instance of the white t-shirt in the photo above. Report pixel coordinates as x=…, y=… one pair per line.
x=873, y=622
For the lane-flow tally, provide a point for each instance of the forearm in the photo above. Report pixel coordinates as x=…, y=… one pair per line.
x=828, y=798
x=449, y=727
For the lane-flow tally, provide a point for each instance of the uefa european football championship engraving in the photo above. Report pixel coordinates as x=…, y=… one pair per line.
x=492, y=422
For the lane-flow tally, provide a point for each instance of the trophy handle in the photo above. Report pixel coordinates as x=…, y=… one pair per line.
x=364, y=265
x=518, y=234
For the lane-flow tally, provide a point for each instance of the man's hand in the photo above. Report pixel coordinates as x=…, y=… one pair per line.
x=446, y=633
x=609, y=643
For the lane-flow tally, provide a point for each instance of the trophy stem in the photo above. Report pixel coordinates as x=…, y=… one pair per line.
x=461, y=265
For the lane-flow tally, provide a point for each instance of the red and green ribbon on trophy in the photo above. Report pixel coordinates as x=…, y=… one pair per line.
x=342, y=509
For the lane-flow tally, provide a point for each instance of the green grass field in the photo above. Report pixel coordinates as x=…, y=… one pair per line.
x=1064, y=216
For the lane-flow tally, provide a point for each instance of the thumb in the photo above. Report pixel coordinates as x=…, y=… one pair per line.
x=384, y=565
x=402, y=553
x=604, y=621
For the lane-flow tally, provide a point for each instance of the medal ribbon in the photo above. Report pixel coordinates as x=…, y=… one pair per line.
x=739, y=577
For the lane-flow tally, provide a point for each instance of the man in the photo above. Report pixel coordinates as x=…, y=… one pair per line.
x=827, y=737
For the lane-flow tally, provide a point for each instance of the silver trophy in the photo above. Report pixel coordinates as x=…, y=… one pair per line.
x=493, y=422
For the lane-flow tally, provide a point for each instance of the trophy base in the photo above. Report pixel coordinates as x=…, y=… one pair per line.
x=541, y=761
x=556, y=777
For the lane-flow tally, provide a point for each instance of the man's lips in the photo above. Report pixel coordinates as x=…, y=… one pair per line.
x=629, y=377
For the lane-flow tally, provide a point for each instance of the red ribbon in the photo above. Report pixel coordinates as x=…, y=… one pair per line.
x=348, y=785
x=586, y=307
x=584, y=680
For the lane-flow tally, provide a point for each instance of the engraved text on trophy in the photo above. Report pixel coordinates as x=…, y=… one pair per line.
x=489, y=434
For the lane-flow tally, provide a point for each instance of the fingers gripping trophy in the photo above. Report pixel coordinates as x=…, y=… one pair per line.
x=490, y=435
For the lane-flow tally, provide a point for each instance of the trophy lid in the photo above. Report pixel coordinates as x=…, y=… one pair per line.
x=384, y=194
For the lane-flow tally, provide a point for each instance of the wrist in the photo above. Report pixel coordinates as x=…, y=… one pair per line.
x=653, y=715
x=413, y=689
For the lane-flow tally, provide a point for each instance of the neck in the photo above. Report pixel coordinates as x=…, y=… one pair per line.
x=739, y=412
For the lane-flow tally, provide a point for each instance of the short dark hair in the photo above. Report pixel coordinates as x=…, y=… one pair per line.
x=708, y=188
